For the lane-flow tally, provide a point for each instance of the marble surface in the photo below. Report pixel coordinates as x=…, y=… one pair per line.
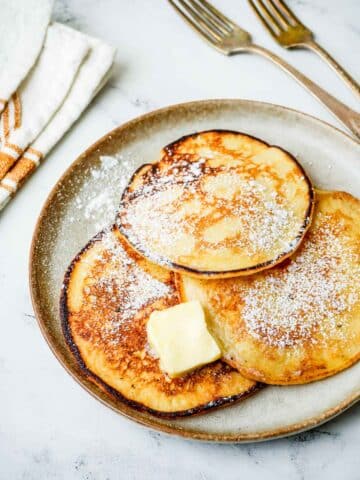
x=50, y=428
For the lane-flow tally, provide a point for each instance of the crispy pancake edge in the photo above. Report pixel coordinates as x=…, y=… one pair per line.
x=64, y=314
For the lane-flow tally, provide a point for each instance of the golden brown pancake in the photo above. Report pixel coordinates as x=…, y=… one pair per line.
x=108, y=295
x=217, y=204
x=299, y=321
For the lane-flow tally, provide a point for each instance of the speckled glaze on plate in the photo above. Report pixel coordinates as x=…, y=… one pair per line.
x=330, y=157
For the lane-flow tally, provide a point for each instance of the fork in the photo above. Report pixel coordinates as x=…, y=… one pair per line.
x=228, y=38
x=289, y=32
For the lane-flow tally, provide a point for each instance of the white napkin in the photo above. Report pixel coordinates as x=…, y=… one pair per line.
x=91, y=76
x=22, y=33
x=41, y=93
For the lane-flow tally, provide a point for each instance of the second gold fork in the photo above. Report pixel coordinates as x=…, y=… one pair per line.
x=289, y=32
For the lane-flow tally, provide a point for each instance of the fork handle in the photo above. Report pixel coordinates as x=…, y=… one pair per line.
x=346, y=115
x=343, y=74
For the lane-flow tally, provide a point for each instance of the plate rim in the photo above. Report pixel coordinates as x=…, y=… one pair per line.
x=135, y=416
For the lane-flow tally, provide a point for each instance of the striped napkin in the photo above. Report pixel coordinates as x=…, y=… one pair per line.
x=70, y=70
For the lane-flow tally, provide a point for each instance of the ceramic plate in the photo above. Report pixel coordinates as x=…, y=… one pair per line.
x=85, y=200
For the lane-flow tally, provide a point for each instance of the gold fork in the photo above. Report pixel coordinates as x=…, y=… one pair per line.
x=228, y=38
x=289, y=32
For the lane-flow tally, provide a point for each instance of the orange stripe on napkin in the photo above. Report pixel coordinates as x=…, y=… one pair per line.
x=17, y=108
x=14, y=147
x=10, y=121
x=8, y=188
x=33, y=151
x=5, y=124
x=6, y=162
x=21, y=170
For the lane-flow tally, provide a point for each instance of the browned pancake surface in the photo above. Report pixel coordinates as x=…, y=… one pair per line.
x=299, y=321
x=108, y=295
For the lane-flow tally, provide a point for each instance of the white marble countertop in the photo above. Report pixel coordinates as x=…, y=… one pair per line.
x=50, y=428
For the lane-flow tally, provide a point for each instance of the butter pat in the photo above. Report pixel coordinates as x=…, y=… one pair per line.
x=180, y=337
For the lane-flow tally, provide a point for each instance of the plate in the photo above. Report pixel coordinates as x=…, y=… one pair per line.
x=86, y=197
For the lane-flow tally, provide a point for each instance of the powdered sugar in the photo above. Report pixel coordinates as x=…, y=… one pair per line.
x=125, y=283
x=308, y=299
x=166, y=214
x=157, y=214
x=96, y=203
x=265, y=219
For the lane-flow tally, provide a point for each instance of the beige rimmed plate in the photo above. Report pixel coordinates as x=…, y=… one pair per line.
x=86, y=197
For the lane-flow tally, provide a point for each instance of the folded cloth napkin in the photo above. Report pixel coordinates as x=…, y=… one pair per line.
x=41, y=93
x=22, y=33
x=89, y=79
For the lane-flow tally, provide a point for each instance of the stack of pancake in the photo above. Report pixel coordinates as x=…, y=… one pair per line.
x=225, y=219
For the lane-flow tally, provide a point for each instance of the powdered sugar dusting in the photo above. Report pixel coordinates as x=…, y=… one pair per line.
x=125, y=283
x=265, y=219
x=98, y=204
x=165, y=214
x=308, y=299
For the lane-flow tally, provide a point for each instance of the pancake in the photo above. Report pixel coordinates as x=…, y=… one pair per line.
x=299, y=321
x=108, y=295
x=217, y=204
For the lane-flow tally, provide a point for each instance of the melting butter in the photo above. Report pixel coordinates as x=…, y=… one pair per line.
x=180, y=337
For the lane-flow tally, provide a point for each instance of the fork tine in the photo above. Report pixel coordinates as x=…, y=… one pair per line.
x=193, y=12
x=220, y=16
x=278, y=14
x=286, y=11
x=189, y=18
x=210, y=17
x=266, y=18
